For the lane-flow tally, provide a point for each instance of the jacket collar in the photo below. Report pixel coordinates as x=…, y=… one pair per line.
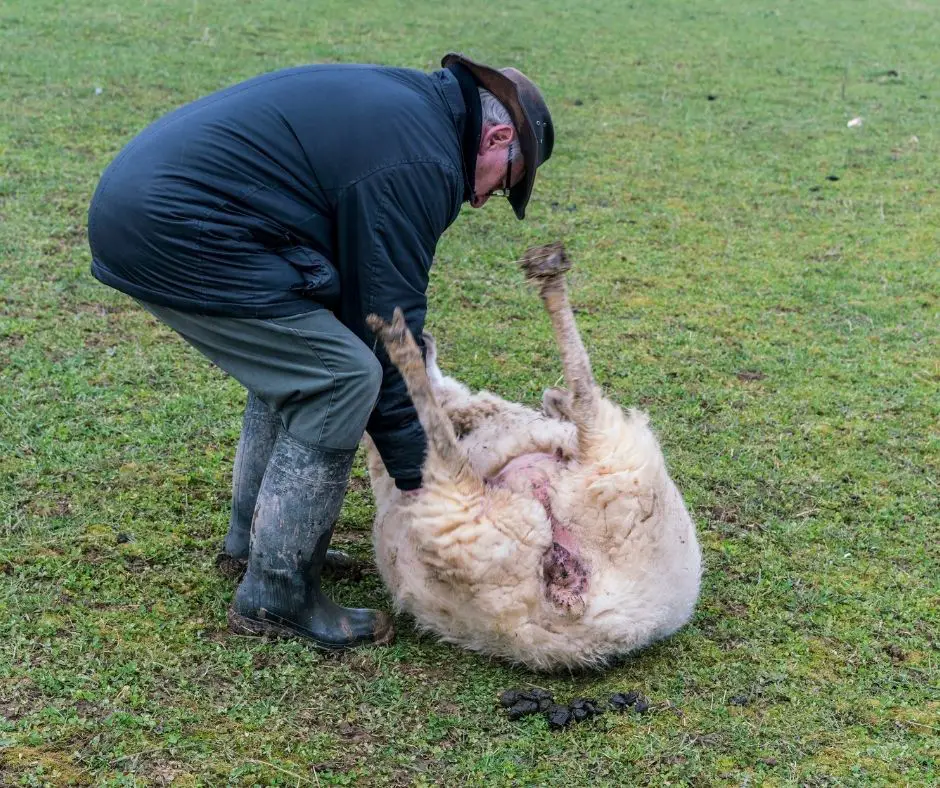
x=464, y=89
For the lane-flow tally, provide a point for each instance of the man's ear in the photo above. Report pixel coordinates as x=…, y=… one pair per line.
x=497, y=136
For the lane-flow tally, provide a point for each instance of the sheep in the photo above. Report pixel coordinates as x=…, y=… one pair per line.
x=551, y=539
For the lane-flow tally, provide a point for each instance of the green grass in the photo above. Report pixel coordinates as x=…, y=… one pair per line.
x=780, y=328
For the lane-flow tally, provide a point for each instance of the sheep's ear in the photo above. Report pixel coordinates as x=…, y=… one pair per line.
x=557, y=404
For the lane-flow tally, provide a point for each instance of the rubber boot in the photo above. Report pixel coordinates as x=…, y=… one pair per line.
x=260, y=427
x=298, y=504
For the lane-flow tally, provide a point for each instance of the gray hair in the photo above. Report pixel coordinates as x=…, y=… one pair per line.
x=495, y=114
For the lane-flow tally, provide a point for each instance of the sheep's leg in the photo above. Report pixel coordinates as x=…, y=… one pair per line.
x=442, y=442
x=545, y=266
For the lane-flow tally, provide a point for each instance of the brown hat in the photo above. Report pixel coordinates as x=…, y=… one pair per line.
x=529, y=113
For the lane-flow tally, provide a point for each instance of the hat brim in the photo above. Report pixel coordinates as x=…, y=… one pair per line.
x=506, y=91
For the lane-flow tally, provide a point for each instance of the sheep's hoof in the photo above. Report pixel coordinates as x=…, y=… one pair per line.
x=378, y=325
x=395, y=335
x=547, y=262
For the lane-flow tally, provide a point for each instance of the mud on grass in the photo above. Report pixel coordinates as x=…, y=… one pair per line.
x=756, y=274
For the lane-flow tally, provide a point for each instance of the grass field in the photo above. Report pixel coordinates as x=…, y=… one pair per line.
x=758, y=275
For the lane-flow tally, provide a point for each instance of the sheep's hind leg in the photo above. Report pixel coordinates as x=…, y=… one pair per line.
x=545, y=266
x=442, y=442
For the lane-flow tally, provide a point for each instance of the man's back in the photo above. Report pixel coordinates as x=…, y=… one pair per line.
x=227, y=202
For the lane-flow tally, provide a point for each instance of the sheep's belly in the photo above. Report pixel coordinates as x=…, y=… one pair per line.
x=565, y=573
x=527, y=473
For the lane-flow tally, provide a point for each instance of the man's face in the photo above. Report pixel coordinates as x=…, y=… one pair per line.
x=493, y=170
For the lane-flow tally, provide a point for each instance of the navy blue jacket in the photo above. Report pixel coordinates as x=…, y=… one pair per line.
x=323, y=185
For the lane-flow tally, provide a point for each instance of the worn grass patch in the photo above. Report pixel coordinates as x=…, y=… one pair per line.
x=758, y=275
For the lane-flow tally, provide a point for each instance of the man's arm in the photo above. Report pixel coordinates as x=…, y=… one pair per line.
x=388, y=225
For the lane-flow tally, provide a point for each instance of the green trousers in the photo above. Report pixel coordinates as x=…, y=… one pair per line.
x=311, y=370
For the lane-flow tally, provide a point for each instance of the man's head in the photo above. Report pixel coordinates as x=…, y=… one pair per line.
x=499, y=159
x=528, y=129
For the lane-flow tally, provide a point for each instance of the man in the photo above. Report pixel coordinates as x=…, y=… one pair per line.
x=264, y=223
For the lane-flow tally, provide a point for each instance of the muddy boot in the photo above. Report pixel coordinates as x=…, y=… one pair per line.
x=298, y=503
x=259, y=432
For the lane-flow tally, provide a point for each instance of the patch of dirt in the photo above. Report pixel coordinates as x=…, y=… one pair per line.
x=429, y=674
x=359, y=484
x=99, y=340
x=265, y=659
x=59, y=506
x=359, y=661
x=334, y=765
x=230, y=568
x=11, y=712
x=352, y=733
x=895, y=652
x=92, y=555
x=163, y=772
x=216, y=635
x=356, y=745
x=12, y=341
x=20, y=699
x=84, y=708
x=671, y=760
x=350, y=538
x=137, y=564
x=705, y=739
x=723, y=514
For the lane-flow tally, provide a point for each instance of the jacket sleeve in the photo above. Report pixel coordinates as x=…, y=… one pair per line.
x=388, y=225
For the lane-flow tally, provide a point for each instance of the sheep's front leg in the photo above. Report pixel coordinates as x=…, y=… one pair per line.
x=443, y=449
x=545, y=266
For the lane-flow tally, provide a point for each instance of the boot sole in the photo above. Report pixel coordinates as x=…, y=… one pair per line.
x=254, y=627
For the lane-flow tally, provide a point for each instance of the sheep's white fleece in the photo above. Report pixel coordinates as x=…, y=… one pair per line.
x=470, y=564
